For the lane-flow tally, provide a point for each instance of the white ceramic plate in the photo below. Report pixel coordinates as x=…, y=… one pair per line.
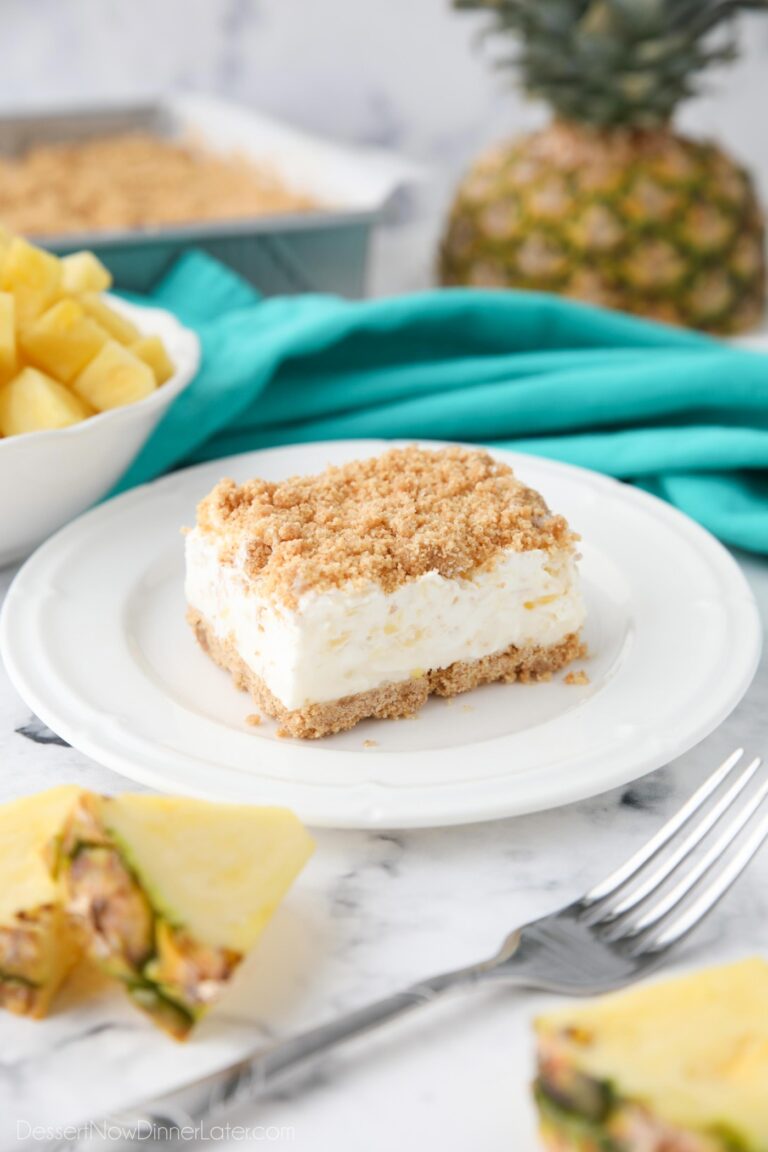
x=94, y=638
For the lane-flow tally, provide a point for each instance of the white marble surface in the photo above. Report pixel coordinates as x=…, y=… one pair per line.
x=372, y=912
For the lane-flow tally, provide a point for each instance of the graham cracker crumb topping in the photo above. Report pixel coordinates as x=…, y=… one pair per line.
x=388, y=519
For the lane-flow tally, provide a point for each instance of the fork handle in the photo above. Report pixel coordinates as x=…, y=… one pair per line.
x=205, y=1099
x=250, y=1078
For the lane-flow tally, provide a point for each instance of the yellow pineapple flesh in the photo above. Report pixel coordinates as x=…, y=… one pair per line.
x=35, y=402
x=32, y=275
x=153, y=352
x=113, y=378
x=39, y=942
x=65, y=353
x=63, y=340
x=119, y=327
x=8, y=358
x=84, y=272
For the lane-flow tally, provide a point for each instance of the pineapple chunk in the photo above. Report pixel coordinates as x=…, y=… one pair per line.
x=38, y=940
x=8, y=360
x=63, y=340
x=84, y=272
x=32, y=275
x=152, y=351
x=33, y=401
x=172, y=893
x=118, y=326
x=113, y=378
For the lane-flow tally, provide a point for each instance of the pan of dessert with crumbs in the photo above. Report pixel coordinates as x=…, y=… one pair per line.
x=139, y=184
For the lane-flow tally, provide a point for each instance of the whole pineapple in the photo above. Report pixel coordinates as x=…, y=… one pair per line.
x=608, y=203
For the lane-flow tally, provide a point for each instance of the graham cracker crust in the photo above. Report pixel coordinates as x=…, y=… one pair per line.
x=390, y=701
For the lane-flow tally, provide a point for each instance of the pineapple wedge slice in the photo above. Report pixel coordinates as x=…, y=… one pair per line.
x=678, y=1064
x=32, y=275
x=8, y=361
x=39, y=942
x=63, y=340
x=113, y=378
x=119, y=327
x=32, y=402
x=84, y=272
x=172, y=893
x=152, y=351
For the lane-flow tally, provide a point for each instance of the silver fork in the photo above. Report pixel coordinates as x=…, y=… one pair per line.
x=622, y=929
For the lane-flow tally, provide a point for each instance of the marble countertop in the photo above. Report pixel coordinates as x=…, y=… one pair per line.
x=372, y=913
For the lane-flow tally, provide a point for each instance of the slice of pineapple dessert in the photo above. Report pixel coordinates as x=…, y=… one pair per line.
x=678, y=1066
x=39, y=942
x=172, y=893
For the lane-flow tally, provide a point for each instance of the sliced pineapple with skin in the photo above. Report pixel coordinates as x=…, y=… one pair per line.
x=84, y=272
x=32, y=275
x=63, y=340
x=113, y=378
x=39, y=941
x=119, y=327
x=34, y=402
x=153, y=352
x=172, y=893
x=8, y=356
x=675, y=1064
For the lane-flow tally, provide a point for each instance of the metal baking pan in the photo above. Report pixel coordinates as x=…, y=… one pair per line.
x=313, y=251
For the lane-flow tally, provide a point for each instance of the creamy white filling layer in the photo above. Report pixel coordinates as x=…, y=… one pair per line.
x=344, y=641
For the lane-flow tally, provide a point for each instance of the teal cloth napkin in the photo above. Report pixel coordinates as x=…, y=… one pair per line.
x=681, y=415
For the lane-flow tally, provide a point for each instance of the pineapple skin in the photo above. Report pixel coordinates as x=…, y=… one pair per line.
x=642, y=220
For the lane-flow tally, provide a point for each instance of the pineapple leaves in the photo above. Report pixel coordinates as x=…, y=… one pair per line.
x=615, y=61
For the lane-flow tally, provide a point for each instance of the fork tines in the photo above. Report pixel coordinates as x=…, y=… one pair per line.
x=672, y=882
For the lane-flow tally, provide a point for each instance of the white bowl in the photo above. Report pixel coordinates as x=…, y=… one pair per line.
x=47, y=478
